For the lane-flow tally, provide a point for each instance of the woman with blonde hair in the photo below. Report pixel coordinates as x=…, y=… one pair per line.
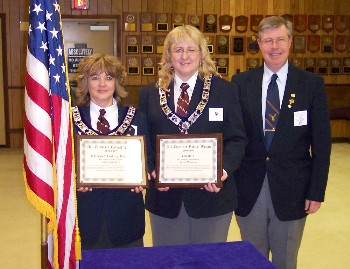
x=190, y=97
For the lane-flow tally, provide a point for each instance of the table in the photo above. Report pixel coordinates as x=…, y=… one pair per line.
x=240, y=254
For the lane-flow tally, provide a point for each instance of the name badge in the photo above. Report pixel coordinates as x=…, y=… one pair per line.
x=300, y=118
x=216, y=114
x=135, y=128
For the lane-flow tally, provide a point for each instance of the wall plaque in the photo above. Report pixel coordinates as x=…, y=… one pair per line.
x=254, y=22
x=298, y=62
x=327, y=23
x=252, y=63
x=222, y=66
x=132, y=44
x=148, y=66
x=210, y=43
x=322, y=66
x=341, y=43
x=299, y=43
x=195, y=21
x=253, y=46
x=300, y=23
x=341, y=23
x=210, y=23
x=314, y=23
x=147, y=21
x=310, y=64
x=346, y=65
x=225, y=22
x=178, y=19
x=147, y=44
x=335, y=66
x=313, y=43
x=162, y=22
x=133, y=65
x=160, y=43
x=288, y=17
x=129, y=21
x=241, y=24
x=238, y=45
x=327, y=43
x=222, y=44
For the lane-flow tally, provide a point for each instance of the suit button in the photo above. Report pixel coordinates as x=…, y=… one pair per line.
x=267, y=159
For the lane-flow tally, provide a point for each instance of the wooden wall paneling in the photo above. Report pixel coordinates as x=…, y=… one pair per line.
x=144, y=5
x=294, y=7
x=217, y=8
x=208, y=6
x=342, y=7
x=16, y=139
x=66, y=7
x=158, y=6
x=199, y=9
x=24, y=17
x=104, y=7
x=16, y=107
x=136, y=5
x=93, y=10
x=191, y=8
x=14, y=66
x=179, y=6
x=117, y=7
x=167, y=6
x=284, y=7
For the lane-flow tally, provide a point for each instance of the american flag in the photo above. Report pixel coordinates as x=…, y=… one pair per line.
x=48, y=155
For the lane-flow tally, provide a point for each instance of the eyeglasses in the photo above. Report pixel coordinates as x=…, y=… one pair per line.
x=281, y=41
x=181, y=51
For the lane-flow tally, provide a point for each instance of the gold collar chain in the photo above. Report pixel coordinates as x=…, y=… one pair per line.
x=184, y=125
x=86, y=130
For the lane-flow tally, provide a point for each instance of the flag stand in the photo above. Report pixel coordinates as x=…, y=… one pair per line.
x=44, y=255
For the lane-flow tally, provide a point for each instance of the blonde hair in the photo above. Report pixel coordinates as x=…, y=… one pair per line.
x=93, y=65
x=179, y=34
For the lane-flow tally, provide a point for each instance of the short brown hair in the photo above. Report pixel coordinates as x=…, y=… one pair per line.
x=94, y=64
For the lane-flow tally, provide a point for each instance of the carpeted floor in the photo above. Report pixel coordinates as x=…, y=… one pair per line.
x=326, y=241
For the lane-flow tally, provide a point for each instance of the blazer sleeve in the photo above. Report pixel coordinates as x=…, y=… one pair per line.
x=320, y=142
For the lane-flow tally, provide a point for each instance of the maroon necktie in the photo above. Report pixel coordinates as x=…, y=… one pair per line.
x=183, y=101
x=102, y=123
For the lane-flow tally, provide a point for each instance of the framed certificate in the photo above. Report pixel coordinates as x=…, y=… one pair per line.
x=189, y=161
x=111, y=161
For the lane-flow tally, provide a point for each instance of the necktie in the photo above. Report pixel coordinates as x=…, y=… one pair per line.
x=272, y=110
x=102, y=123
x=183, y=101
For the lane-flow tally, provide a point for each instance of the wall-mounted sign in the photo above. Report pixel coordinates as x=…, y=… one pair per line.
x=75, y=55
x=80, y=4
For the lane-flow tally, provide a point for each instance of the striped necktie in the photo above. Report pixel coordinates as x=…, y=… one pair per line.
x=272, y=110
x=183, y=101
x=102, y=123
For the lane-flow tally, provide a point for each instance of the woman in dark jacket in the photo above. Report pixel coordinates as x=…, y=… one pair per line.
x=108, y=218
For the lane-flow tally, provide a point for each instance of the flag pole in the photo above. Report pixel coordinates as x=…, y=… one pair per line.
x=44, y=255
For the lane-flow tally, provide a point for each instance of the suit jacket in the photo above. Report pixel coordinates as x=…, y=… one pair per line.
x=122, y=210
x=298, y=160
x=198, y=202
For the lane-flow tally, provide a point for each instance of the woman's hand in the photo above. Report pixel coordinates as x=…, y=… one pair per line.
x=84, y=189
x=211, y=187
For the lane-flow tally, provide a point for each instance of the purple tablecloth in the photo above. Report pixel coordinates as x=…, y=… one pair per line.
x=242, y=255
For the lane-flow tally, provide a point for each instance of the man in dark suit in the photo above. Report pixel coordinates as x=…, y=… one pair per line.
x=284, y=173
x=185, y=215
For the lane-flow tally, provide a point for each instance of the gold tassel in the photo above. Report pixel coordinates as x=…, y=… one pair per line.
x=77, y=244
